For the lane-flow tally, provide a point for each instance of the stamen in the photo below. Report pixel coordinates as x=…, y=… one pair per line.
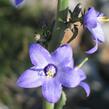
x=103, y=19
x=83, y=62
x=50, y=74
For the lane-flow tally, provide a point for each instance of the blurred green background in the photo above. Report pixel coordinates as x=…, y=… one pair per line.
x=17, y=29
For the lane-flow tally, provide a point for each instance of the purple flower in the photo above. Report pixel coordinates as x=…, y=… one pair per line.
x=92, y=20
x=17, y=3
x=51, y=71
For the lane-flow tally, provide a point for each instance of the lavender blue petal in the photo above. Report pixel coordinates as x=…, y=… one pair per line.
x=63, y=56
x=86, y=87
x=94, y=49
x=17, y=3
x=39, y=56
x=97, y=32
x=51, y=90
x=70, y=77
x=90, y=18
x=99, y=14
x=81, y=74
x=31, y=78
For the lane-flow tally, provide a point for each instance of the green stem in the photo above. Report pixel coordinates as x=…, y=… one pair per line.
x=62, y=101
x=62, y=4
x=47, y=105
x=59, y=27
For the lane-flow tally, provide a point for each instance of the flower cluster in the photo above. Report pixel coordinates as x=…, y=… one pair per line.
x=52, y=71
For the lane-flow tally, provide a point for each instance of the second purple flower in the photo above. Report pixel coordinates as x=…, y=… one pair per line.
x=92, y=20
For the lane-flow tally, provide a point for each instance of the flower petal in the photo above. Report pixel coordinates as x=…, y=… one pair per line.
x=90, y=18
x=70, y=77
x=17, y=3
x=39, y=56
x=31, y=78
x=81, y=74
x=86, y=87
x=94, y=49
x=51, y=90
x=97, y=32
x=63, y=55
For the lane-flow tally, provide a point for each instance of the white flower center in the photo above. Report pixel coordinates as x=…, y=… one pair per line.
x=50, y=70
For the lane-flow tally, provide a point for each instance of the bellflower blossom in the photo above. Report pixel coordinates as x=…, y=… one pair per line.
x=17, y=3
x=51, y=71
x=92, y=20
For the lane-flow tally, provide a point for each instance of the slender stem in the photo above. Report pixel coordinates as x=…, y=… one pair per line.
x=62, y=101
x=59, y=27
x=47, y=105
x=83, y=62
